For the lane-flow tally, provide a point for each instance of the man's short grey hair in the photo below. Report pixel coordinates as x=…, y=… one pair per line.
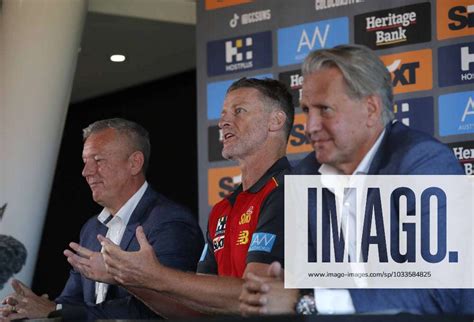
x=136, y=134
x=363, y=71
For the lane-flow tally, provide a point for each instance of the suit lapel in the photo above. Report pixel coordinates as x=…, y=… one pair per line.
x=138, y=216
x=378, y=160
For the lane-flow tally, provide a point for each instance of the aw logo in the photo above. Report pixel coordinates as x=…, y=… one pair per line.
x=217, y=4
x=221, y=182
x=298, y=142
x=394, y=27
x=262, y=242
x=294, y=43
x=455, y=18
x=411, y=71
x=416, y=113
x=294, y=81
x=239, y=54
x=216, y=94
x=456, y=64
x=464, y=151
x=456, y=113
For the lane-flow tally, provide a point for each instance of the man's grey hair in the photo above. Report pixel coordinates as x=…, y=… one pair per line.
x=136, y=134
x=363, y=71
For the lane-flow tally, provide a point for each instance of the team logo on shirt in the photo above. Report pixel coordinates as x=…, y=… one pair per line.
x=220, y=228
x=243, y=237
x=218, y=243
x=245, y=218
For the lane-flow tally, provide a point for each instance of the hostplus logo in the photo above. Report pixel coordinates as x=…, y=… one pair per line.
x=219, y=236
x=235, y=51
x=394, y=27
x=456, y=64
x=239, y=54
x=467, y=58
x=295, y=43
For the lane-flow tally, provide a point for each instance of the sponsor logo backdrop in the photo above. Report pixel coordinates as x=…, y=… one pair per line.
x=426, y=45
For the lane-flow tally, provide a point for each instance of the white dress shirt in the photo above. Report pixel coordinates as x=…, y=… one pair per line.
x=116, y=225
x=329, y=301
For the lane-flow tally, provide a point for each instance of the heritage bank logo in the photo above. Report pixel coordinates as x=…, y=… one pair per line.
x=411, y=71
x=217, y=4
x=294, y=43
x=456, y=113
x=394, y=27
x=455, y=18
x=294, y=81
x=416, y=113
x=239, y=54
x=456, y=64
x=221, y=182
x=464, y=151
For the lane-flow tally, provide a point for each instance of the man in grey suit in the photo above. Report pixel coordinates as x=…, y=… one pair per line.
x=347, y=98
x=116, y=155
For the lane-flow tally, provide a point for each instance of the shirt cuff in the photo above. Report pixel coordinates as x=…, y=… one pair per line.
x=59, y=307
x=333, y=301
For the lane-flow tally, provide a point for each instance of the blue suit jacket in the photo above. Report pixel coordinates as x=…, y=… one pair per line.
x=406, y=151
x=176, y=238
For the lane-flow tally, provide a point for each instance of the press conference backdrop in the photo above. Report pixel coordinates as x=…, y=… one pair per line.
x=428, y=47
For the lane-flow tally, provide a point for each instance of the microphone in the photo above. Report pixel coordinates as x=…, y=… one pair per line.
x=12, y=258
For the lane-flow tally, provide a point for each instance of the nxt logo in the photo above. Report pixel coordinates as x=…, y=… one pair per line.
x=403, y=74
x=245, y=218
x=243, y=237
x=411, y=71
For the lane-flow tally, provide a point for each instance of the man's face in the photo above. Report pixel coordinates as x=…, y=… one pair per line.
x=106, y=167
x=244, y=123
x=336, y=124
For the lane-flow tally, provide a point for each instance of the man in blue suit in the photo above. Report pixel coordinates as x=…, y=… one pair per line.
x=116, y=155
x=347, y=98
